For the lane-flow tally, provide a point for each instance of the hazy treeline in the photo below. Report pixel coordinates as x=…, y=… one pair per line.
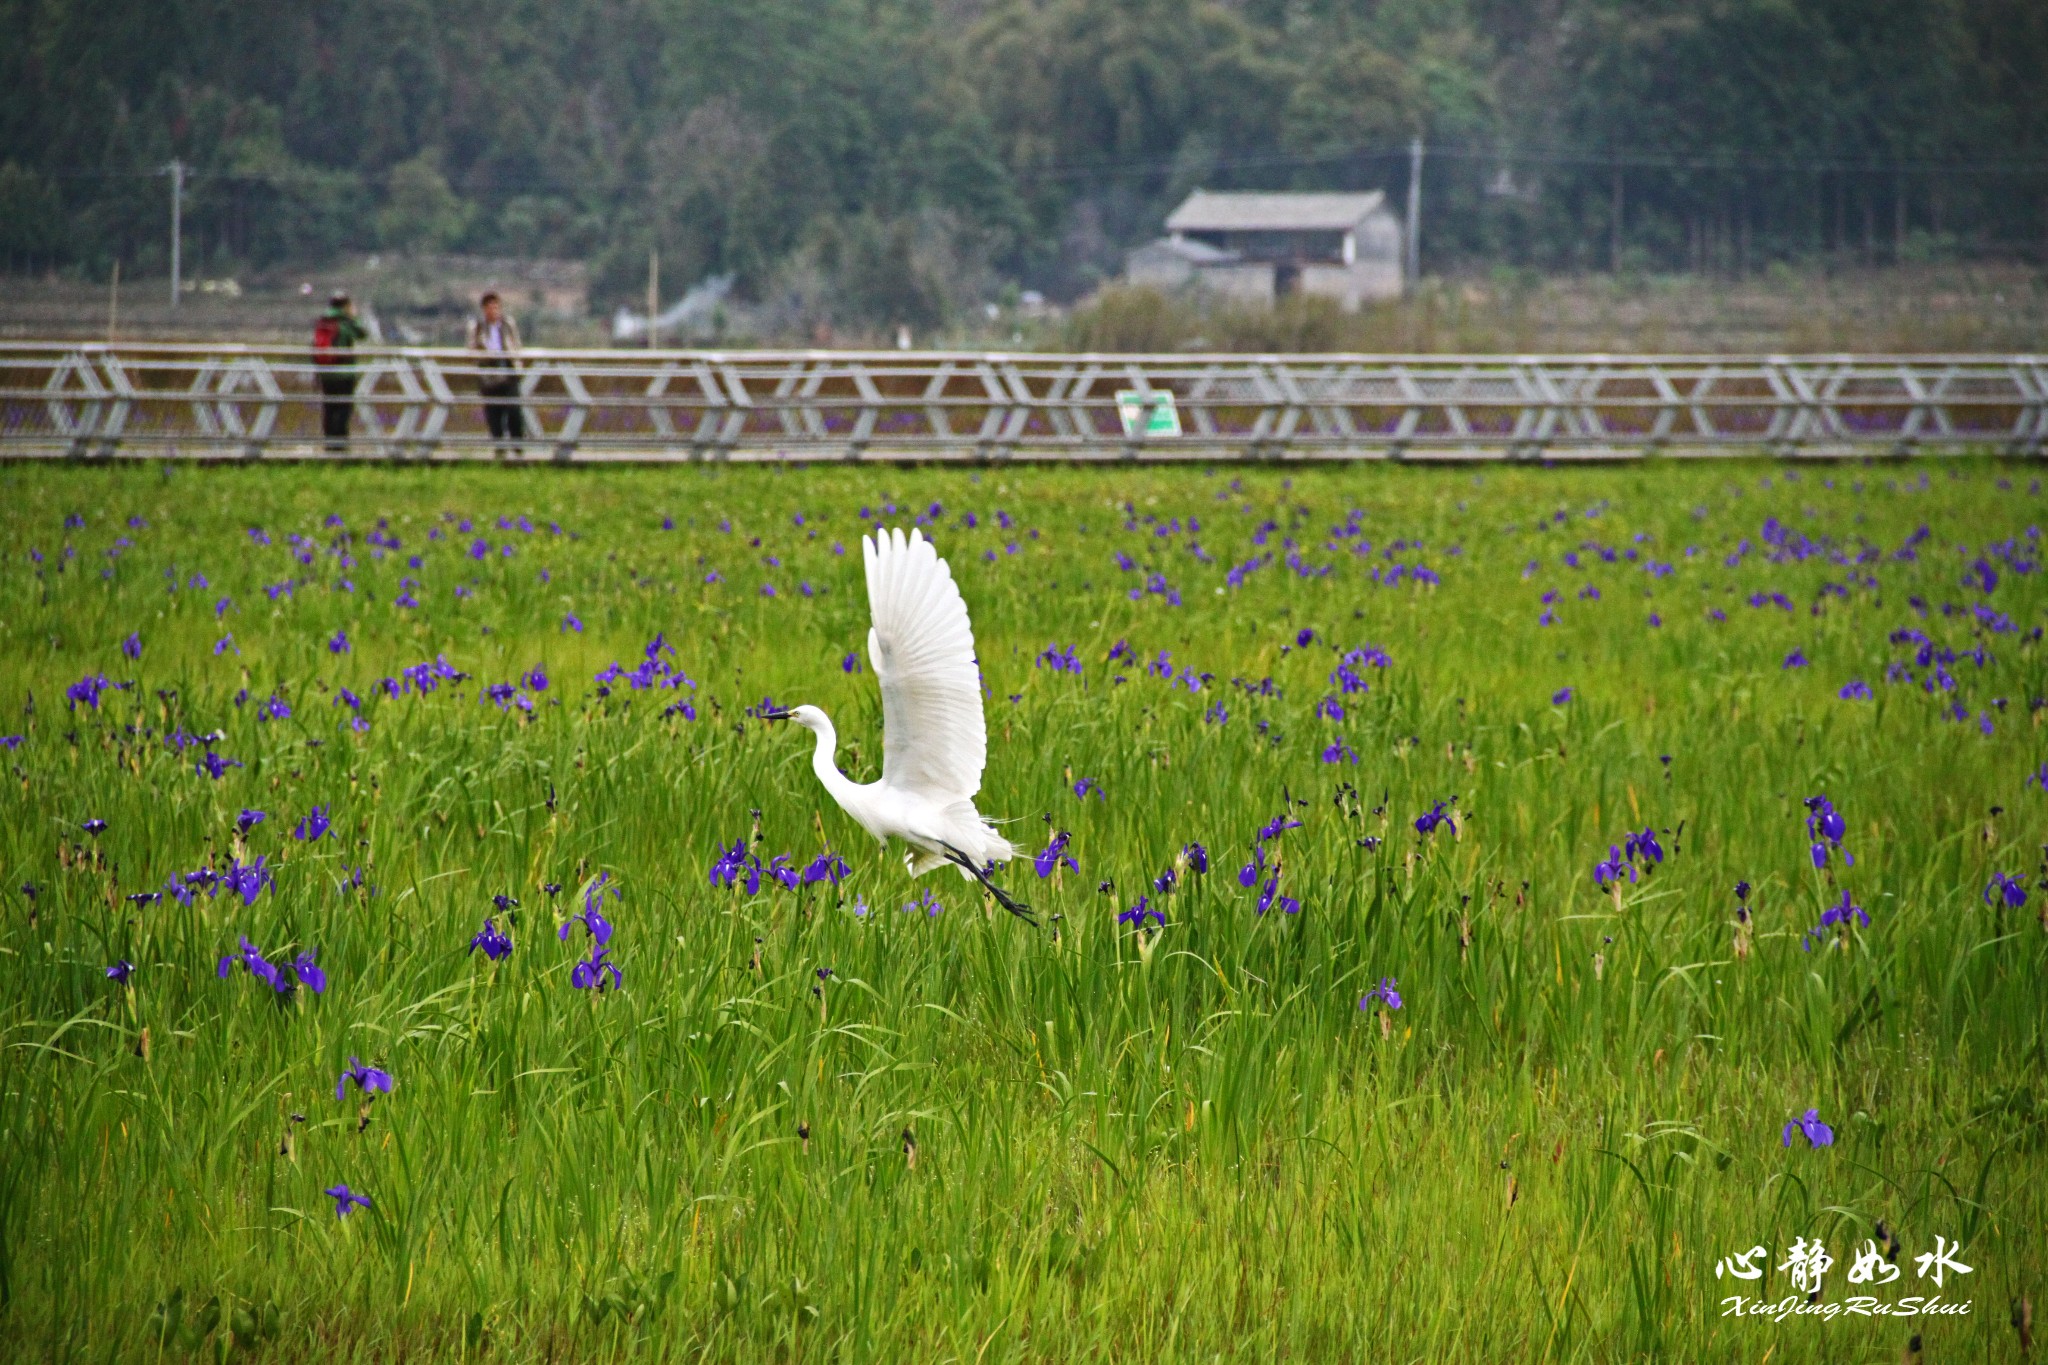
x=898, y=159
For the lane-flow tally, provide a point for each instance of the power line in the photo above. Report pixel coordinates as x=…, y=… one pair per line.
x=1525, y=155
x=1491, y=154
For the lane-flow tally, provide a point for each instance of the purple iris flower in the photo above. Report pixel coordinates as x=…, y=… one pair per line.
x=255, y=963
x=121, y=971
x=1269, y=896
x=368, y=1079
x=1610, y=871
x=1248, y=875
x=1855, y=690
x=94, y=826
x=825, y=867
x=1562, y=695
x=1825, y=826
x=493, y=940
x=249, y=819
x=1275, y=827
x=338, y=642
x=314, y=826
x=2009, y=890
x=726, y=868
x=1139, y=913
x=274, y=709
x=536, y=680
x=1841, y=912
x=1060, y=660
x=1796, y=659
x=132, y=646
x=1052, y=855
x=87, y=689
x=1429, y=820
x=1197, y=856
x=1643, y=847
x=1818, y=1134
x=589, y=973
x=346, y=1199
x=247, y=880
x=1387, y=993
x=308, y=972
x=592, y=917
x=1087, y=785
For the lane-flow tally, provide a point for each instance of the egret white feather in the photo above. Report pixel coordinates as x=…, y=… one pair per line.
x=934, y=739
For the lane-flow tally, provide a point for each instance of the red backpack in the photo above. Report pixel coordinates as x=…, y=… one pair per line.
x=327, y=341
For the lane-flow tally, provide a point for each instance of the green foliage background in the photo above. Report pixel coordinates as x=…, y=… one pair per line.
x=1029, y=139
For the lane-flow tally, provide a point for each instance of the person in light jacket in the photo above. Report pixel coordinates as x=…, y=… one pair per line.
x=495, y=337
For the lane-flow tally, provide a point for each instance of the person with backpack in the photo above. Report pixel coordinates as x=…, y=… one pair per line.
x=496, y=337
x=335, y=335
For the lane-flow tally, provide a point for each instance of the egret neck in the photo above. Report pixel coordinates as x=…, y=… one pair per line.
x=850, y=795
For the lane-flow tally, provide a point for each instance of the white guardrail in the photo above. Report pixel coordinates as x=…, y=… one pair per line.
x=97, y=400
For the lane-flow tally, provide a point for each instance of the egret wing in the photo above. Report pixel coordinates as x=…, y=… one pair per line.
x=934, y=740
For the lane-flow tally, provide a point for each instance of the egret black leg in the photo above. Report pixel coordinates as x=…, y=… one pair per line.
x=1003, y=898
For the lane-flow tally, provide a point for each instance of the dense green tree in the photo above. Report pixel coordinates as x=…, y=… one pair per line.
x=1028, y=139
x=420, y=211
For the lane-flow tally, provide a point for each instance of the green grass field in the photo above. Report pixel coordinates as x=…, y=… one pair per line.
x=1080, y=1141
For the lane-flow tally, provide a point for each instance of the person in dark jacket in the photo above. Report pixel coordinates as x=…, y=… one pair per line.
x=496, y=337
x=334, y=340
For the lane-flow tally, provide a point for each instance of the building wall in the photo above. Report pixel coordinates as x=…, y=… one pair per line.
x=1353, y=285
x=1157, y=267
x=1373, y=274
x=1375, y=270
x=1379, y=239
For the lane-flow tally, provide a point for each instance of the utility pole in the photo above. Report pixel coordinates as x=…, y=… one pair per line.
x=177, y=170
x=1614, y=211
x=1415, y=211
x=653, y=292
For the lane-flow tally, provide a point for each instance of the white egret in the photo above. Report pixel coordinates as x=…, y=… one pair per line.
x=934, y=740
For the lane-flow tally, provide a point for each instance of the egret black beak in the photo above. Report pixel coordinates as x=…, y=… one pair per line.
x=776, y=715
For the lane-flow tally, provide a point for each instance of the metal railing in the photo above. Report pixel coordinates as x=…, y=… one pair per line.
x=92, y=400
